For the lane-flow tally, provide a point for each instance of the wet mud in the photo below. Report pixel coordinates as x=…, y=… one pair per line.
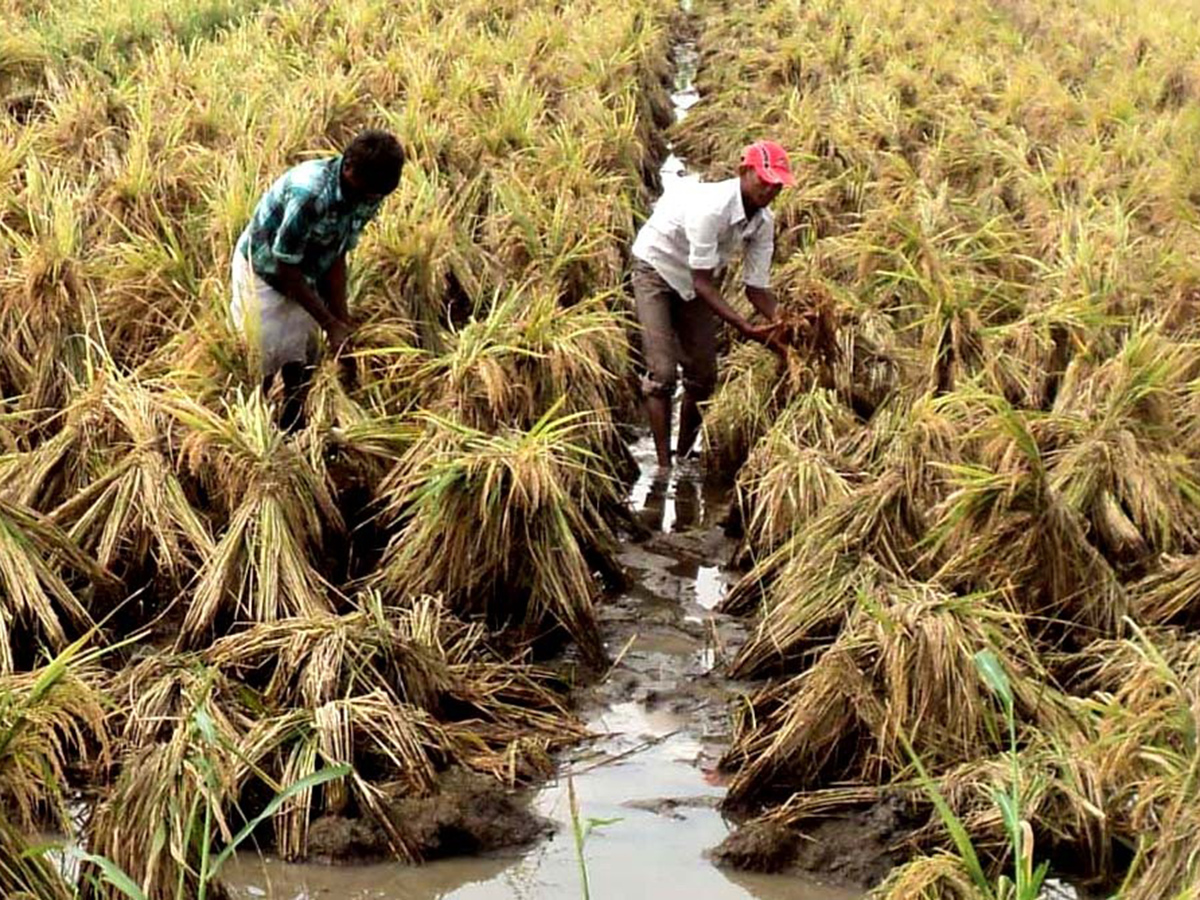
x=467, y=814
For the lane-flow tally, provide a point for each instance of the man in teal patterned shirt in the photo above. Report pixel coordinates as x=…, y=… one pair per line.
x=289, y=267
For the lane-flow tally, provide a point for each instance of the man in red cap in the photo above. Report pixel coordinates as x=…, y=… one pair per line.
x=679, y=259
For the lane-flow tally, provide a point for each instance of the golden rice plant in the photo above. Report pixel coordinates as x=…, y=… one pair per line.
x=1005, y=525
x=988, y=192
x=874, y=519
x=939, y=877
x=185, y=761
x=45, y=300
x=145, y=145
x=135, y=511
x=524, y=356
x=1066, y=791
x=420, y=654
x=1063, y=792
x=42, y=575
x=918, y=437
x=353, y=437
x=1169, y=595
x=1126, y=466
x=784, y=484
x=506, y=525
x=25, y=875
x=277, y=510
x=901, y=668
x=423, y=265
x=406, y=738
x=311, y=661
x=413, y=686
x=50, y=719
x=741, y=409
x=1145, y=702
x=57, y=467
x=790, y=475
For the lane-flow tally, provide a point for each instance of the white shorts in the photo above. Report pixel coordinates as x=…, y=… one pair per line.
x=278, y=330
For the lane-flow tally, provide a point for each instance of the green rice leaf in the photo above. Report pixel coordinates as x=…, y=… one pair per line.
x=304, y=784
x=114, y=875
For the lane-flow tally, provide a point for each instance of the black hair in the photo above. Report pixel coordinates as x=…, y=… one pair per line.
x=376, y=158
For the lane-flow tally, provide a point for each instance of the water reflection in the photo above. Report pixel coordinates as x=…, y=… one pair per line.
x=710, y=586
x=669, y=502
x=250, y=878
x=688, y=505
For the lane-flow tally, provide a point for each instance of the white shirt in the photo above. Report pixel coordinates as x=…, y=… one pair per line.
x=698, y=225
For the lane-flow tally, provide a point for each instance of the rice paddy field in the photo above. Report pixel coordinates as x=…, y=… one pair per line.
x=958, y=586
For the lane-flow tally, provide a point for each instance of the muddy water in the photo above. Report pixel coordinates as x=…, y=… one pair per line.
x=661, y=719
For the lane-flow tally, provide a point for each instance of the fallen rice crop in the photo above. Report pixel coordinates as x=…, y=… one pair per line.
x=996, y=205
x=294, y=604
x=984, y=437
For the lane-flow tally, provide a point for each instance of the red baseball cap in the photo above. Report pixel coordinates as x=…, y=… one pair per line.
x=770, y=161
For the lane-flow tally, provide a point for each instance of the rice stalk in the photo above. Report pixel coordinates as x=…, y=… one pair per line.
x=939, y=877
x=741, y=409
x=874, y=519
x=903, y=664
x=1006, y=524
x=264, y=567
x=154, y=823
x=404, y=738
x=502, y=524
x=39, y=605
x=135, y=511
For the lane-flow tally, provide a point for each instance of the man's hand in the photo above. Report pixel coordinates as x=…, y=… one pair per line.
x=767, y=335
x=706, y=290
x=338, y=331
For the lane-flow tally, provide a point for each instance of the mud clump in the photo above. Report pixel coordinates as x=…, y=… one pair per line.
x=855, y=849
x=468, y=814
x=758, y=847
x=337, y=839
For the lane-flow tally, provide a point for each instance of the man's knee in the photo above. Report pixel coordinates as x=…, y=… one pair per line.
x=661, y=365
x=702, y=387
x=657, y=386
x=295, y=374
x=700, y=373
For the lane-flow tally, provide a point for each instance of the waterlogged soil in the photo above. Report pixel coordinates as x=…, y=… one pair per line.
x=649, y=778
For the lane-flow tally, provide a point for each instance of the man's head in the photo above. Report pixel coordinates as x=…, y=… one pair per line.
x=764, y=172
x=371, y=165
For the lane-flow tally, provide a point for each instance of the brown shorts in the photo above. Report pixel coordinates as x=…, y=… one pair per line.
x=675, y=332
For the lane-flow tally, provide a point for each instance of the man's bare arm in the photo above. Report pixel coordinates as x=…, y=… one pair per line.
x=763, y=299
x=290, y=282
x=333, y=289
x=706, y=289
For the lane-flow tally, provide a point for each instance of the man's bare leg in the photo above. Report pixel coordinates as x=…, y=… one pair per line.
x=689, y=424
x=658, y=411
x=295, y=377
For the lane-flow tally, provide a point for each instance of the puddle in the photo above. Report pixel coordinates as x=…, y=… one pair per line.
x=685, y=58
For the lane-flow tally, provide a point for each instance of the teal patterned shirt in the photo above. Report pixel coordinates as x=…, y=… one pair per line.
x=304, y=220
